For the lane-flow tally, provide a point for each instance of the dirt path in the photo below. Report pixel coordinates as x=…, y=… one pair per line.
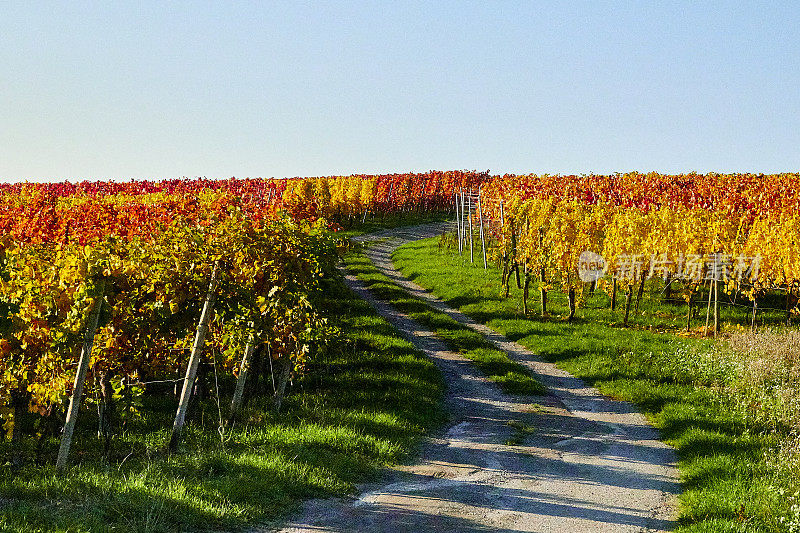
x=590, y=463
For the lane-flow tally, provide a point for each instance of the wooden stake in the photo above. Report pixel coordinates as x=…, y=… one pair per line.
x=613, y=294
x=525, y=294
x=462, y=237
x=639, y=295
x=80, y=377
x=194, y=359
x=542, y=290
x=668, y=287
x=483, y=238
x=283, y=378
x=459, y=216
x=716, y=307
x=471, y=236
x=19, y=406
x=455, y=210
x=708, y=309
x=516, y=264
x=543, y=293
x=238, y=393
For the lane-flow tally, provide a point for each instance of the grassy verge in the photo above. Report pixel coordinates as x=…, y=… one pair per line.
x=512, y=377
x=364, y=405
x=725, y=458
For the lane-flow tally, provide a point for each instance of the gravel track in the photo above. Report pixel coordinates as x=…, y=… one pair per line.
x=589, y=463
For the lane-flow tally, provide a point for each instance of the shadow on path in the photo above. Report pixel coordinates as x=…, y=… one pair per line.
x=587, y=463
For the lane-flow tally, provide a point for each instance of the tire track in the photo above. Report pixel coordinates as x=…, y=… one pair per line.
x=591, y=463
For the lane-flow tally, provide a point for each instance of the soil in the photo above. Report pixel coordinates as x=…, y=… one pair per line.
x=572, y=460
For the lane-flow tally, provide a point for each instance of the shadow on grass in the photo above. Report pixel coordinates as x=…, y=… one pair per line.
x=722, y=459
x=367, y=402
x=509, y=375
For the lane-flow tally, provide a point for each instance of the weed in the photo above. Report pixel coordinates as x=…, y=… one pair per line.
x=522, y=430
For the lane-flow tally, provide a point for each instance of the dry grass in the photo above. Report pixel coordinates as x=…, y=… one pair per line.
x=768, y=384
x=767, y=390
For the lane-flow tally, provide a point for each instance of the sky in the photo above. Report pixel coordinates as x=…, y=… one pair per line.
x=153, y=90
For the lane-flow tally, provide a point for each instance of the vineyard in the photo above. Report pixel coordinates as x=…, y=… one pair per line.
x=110, y=286
x=738, y=235
x=118, y=296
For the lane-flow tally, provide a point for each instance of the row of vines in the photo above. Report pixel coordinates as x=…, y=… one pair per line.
x=738, y=234
x=107, y=288
x=86, y=211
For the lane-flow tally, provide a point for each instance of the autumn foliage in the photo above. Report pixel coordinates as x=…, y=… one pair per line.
x=656, y=223
x=145, y=250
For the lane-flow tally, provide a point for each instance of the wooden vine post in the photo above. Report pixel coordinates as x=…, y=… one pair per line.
x=80, y=377
x=455, y=210
x=238, y=393
x=471, y=237
x=639, y=294
x=668, y=286
x=716, y=305
x=525, y=263
x=542, y=274
x=283, y=379
x=708, y=308
x=194, y=359
x=504, y=256
x=483, y=237
x=460, y=205
x=459, y=220
x=510, y=260
x=525, y=288
x=613, y=294
x=502, y=222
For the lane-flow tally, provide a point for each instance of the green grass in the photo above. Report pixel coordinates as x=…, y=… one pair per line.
x=366, y=404
x=375, y=222
x=729, y=482
x=509, y=375
x=521, y=430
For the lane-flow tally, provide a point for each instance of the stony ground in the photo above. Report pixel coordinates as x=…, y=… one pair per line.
x=572, y=460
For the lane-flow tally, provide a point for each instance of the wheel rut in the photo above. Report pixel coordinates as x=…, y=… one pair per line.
x=589, y=464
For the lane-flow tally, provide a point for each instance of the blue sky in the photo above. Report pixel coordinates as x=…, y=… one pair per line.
x=218, y=89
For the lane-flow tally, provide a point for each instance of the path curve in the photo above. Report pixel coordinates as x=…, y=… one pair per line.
x=590, y=464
